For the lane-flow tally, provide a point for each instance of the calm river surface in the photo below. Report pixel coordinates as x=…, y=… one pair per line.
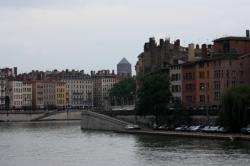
x=64, y=144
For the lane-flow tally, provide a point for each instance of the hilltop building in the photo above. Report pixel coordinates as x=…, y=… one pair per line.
x=124, y=68
x=198, y=75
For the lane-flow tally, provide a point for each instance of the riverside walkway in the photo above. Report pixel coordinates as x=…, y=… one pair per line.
x=201, y=135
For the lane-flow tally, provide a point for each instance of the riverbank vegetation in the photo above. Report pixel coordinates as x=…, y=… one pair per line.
x=153, y=96
x=123, y=93
x=235, y=112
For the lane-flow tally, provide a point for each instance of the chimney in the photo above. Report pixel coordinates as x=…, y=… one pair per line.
x=197, y=47
x=191, y=52
x=161, y=42
x=177, y=44
x=151, y=40
x=204, y=50
x=209, y=46
x=247, y=33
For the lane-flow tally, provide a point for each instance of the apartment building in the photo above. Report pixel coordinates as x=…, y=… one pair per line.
x=79, y=92
x=175, y=73
x=3, y=84
x=103, y=81
x=60, y=94
x=227, y=73
x=37, y=94
x=27, y=94
x=49, y=94
x=15, y=94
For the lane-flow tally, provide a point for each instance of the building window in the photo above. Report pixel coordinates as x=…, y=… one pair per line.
x=207, y=86
x=174, y=77
x=216, y=96
x=233, y=83
x=201, y=64
x=202, y=86
x=202, y=75
x=175, y=88
x=233, y=73
x=202, y=98
x=189, y=76
x=189, y=87
x=241, y=73
x=217, y=85
x=189, y=98
x=207, y=98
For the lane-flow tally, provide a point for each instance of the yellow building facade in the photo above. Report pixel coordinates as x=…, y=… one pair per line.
x=61, y=94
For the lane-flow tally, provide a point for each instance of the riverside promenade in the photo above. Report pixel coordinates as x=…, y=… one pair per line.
x=198, y=135
x=95, y=121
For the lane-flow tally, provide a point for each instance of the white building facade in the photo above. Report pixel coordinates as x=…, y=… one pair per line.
x=15, y=94
x=3, y=83
x=176, y=82
x=27, y=94
x=79, y=93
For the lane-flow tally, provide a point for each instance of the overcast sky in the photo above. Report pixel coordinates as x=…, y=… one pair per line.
x=97, y=34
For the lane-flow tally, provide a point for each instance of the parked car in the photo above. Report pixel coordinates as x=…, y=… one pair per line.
x=182, y=128
x=195, y=128
x=132, y=127
x=245, y=130
x=213, y=129
x=222, y=130
x=205, y=129
x=162, y=127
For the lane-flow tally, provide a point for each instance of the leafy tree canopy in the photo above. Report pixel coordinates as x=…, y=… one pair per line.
x=154, y=95
x=125, y=88
x=235, y=108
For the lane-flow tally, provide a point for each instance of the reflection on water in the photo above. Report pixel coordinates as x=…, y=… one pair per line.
x=63, y=143
x=193, y=151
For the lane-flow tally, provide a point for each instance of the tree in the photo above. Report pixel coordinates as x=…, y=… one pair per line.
x=235, y=108
x=153, y=96
x=179, y=114
x=124, y=91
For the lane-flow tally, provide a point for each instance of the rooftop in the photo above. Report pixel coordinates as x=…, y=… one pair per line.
x=124, y=61
x=239, y=38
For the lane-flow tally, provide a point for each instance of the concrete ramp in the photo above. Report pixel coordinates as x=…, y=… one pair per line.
x=94, y=121
x=44, y=115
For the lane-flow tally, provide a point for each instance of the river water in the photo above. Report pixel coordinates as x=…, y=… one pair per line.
x=65, y=144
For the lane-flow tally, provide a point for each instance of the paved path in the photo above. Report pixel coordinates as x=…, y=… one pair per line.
x=190, y=134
